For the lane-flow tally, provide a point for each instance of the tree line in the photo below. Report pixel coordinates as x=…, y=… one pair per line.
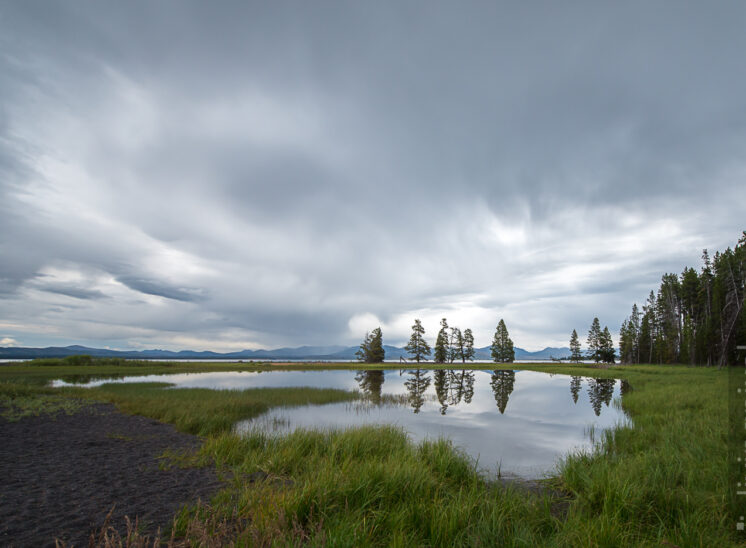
x=694, y=318
x=451, y=345
x=600, y=345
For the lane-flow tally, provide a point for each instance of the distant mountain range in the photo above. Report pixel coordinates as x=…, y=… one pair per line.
x=334, y=352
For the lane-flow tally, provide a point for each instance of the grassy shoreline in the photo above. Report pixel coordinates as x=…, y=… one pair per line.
x=661, y=482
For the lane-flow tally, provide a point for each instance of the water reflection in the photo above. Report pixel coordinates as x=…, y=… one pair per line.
x=519, y=421
x=502, y=383
x=413, y=389
x=441, y=389
x=624, y=388
x=600, y=391
x=371, y=384
x=417, y=384
x=452, y=387
x=575, y=384
x=87, y=379
x=462, y=386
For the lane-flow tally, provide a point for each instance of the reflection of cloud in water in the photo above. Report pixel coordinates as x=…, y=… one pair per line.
x=523, y=419
x=540, y=423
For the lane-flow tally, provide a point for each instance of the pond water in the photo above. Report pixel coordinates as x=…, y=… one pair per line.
x=517, y=422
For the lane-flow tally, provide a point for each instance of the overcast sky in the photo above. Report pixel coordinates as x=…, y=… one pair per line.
x=213, y=176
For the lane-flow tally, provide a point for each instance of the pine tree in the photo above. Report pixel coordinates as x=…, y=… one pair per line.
x=575, y=354
x=626, y=343
x=377, y=353
x=468, y=345
x=645, y=344
x=606, y=346
x=634, y=333
x=417, y=346
x=371, y=350
x=594, y=341
x=456, y=346
x=502, y=345
x=364, y=350
x=440, y=354
x=652, y=328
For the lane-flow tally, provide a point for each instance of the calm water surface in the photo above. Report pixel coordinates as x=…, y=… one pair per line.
x=520, y=422
x=517, y=422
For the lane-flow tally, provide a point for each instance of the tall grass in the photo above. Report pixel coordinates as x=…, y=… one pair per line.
x=664, y=479
x=367, y=486
x=203, y=411
x=660, y=481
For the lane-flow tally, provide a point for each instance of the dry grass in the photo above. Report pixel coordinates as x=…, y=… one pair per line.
x=203, y=528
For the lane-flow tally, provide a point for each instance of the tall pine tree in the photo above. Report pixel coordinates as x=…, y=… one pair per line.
x=456, y=346
x=502, y=345
x=468, y=345
x=371, y=350
x=440, y=354
x=606, y=346
x=594, y=341
x=575, y=354
x=417, y=346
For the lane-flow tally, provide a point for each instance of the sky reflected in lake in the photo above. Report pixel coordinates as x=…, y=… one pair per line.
x=519, y=421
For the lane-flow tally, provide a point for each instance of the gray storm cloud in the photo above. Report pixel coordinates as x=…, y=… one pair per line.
x=246, y=175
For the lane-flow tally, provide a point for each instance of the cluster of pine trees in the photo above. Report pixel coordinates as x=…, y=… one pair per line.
x=695, y=318
x=450, y=345
x=600, y=345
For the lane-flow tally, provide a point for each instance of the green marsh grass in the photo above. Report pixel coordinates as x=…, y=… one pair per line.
x=366, y=486
x=660, y=481
x=203, y=411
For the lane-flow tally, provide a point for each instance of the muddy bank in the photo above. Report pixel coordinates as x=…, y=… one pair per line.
x=61, y=475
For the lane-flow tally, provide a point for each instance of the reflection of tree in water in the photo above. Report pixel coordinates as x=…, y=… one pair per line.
x=600, y=391
x=502, y=385
x=461, y=386
x=370, y=384
x=451, y=387
x=417, y=383
x=624, y=388
x=441, y=388
x=575, y=383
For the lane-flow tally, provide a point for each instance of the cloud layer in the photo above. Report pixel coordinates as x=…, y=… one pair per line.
x=175, y=174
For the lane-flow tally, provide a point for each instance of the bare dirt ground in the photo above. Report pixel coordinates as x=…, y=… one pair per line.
x=61, y=474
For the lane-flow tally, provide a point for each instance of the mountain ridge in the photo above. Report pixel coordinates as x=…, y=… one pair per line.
x=327, y=352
